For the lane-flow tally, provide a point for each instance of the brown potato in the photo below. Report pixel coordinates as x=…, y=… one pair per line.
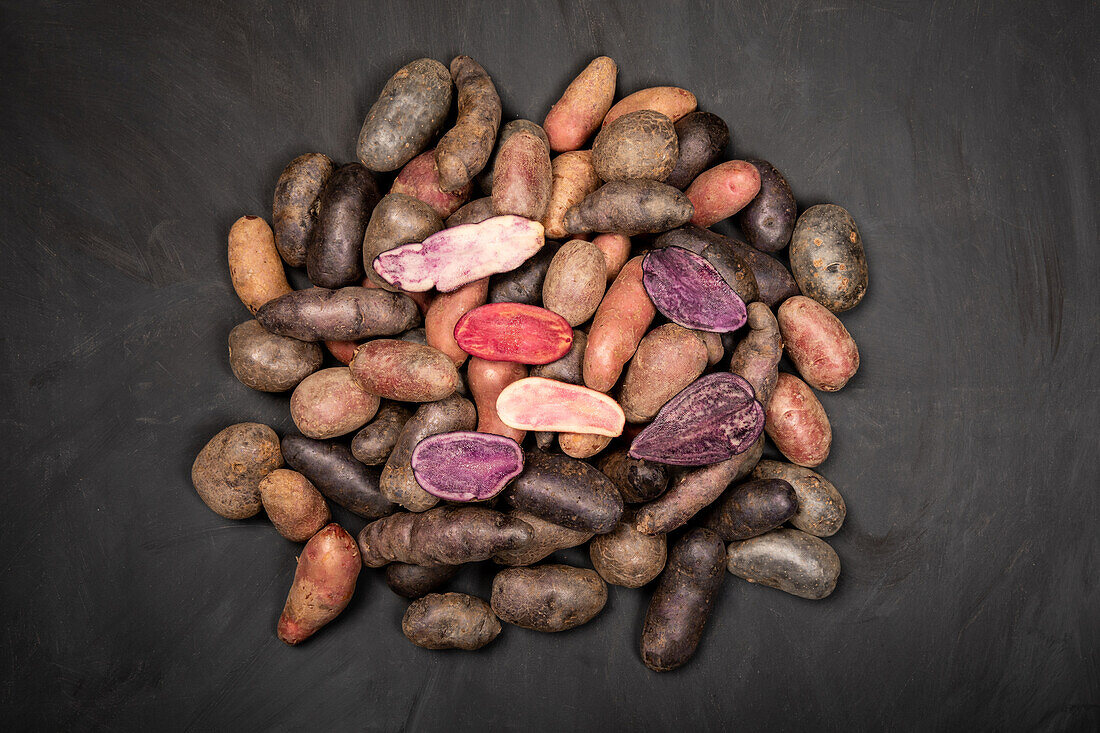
x=573, y=178
x=640, y=144
x=547, y=538
x=397, y=219
x=330, y=403
x=548, y=598
x=630, y=207
x=229, y=468
x=486, y=380
x=756, y=357
x=575, y=282
x=522, y=177
x=624, y=556
x=474, y=212
x=827, y=257
x=672, y=102
x=821, y=508
x=415, y=581
x=444, y=312
x=420, y=179
x=446, y=535
x=324, y=583
x=268, y=362
x=465, y=149
x=254, y=264
x=637, y=479
x=372, y=445
x=582, y=445
x=294, y=212
x=668, y=359
x=818, y=343
x=450, y=621
x=574, y=117
x=293, y=504
x=797, y=424
x=404, y=371
x=616, y=251
x=715, y=349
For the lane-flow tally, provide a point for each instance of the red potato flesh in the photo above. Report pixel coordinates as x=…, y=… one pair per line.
x=517, y=332
x=535, y=403
x=617, y=328
x=323, y=584
x=722, y=191
x=487, y=379
x=445, y=312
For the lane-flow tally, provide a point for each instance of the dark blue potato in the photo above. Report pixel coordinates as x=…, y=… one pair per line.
x=372, y=444
x=295, y=209
x=334, y=257
x=827, y=257
x=768, y=221
x=334, y=471
x=409, y=111
x=752, y=509
x=269, y=362
x=474, y=212
x=636, y=479
x=566, y=491
x=630, y=207
x=787, y=559
x=703, y=136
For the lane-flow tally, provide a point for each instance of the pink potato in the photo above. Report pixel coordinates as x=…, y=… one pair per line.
x=420, y=179
x=818, y=343
x=616, y=251
x=797, y=423
x=517, y=332
x=617, y=328
x=487, y=379
x=342, y=351
x=722, y=191
x=673, y=102
x=536, y=403
x=323, y=584
x=454, y=257
x=329, y=403
x=574, y=117
x=444, y=313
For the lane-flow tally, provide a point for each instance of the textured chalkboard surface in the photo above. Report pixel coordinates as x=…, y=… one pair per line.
x=961, y=135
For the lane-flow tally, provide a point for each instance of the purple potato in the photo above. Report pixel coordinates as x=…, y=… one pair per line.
x=414, y=581
x=446, y=535
x=768, y=220
x=566, y=491
x=524, y=284
x=450, y=621
x=334, y=471
x=466, y=465
x=637, y=480
x=334, y=256
x=347, y=314
x=294, y=212
x=703, y=136
x=689, y=291
x=751, y=509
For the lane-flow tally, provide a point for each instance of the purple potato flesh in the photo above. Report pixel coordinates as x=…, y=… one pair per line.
x=465, y=465
x=689, y=291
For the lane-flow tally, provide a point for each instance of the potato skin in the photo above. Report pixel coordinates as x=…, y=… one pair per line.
x=548, y=598
x=334, y=256
x=630, y=207
x=293, y=504
x=768, y=220
x=617, y=328
x=372, y=445
x=485, y=178
x=668, y=359
x=626, y=557
x=330, y=403
x=268, y=362
x=404, y=371
x=787, y=559
x=569, y=368
x=702, y=138
x=416, y=581
x=581, y=109
x=474, y=212
x=254, y=264
x=797, y=424
x=486, y=380
x=333, y=470
x=547, y=537
x=402, y=121
x=575, y=281
x=446, y=535
x=397, y=219
x=523, y=284
x=756, y=357
x=582, y=445
x=444, y=312
x=347, y=314
x=672, y=102
x=616, y=252
x=465, y=149
x=720, y=192
x=420, y=180
x=640, y=144
x=637, y=480
x=228, y=470
x=294, y=211
x=751, y=509
x=827, y=257
x=572, y=178
x=324, y=583
x=818, y=343
x=566, y=491
x=715, y=348
x=821, y=508
x=450, y=621
x=682, y=603
x=522, y=177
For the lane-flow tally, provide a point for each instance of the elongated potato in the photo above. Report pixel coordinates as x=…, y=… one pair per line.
x=541, y=404
x=702, y=138
x=446, y=535
x=522, y=177
x=404, y=371
x=570, y=367
x=293, y=504
x=548, y=598
x=347, y=314
x=637, y=479
x=722, y=191
x=330, y=403
x=254, y=264
x=616, y=251
x=827, y=257
x=567, y=492
x=756, y=357
x=485, y=178
x=450, y=621
x=397, y=219
x=420, y=180
x=818, y=343
x=768, y=220
x=546, y=538
x=337, y=475
x=487, y=379
x=630, y=207
x=334, y=256
x=751, y=509
x=581, y=109
x=465, y=149
x=669, y=358
x=617, y=328
x=573, y=177
x=821, y=508
x=672, y=102
x=406, y=115
x=575, y=281
x=415, y=581
x=789, y=560
x=228, y=470
x=268, y=362
x=638, y=144
x=797, y=423
x=582, y=445
x=372, y=445
x=624, y=556
x=294, y=212
x=444, y=313
x=324, y=583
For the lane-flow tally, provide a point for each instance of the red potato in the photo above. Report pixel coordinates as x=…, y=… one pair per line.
x=522, y=177
x=818, y=343
x=420, y=179
x=323, y=584
x=342, y=351
x=541, y=404
x=487, y=379
x=797, y=424
x=573, y=178
x=616, y=251
x=404, y=371
x=577, y=115
x=255, y=266
x=673, y=102
x=617, y=328
x=330, y=403
x=722, y=191
x=515, y=332
x=444, y=313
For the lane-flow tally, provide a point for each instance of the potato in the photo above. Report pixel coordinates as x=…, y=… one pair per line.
x=751, y=509
x=672, y=102
x=324, y=583
x=254, y=265
x=294, y=212
x=372, y=444
x=768, y=220
x=756, y=357
x=337, y=475
x=582, y=445
x=668, y=359
x=466, y=465
x=715, y=349
x=575, y=281
x=567, y=492
x=487, y=379
x=397, y=219
x=544, y=440
x=406, y=115
x=420, y=180
x=398, y=483
x=787, y=559
x=624, y=556
x=547, y=537
x=827, y=257
x=485, y=178
x=541, y=404
x=821, y=508
x=267, y=362
x=639, y=144
x=334, y=255
x=797, y=423
x=581, y=109
x=347, y=314
x=617, y=328
x=446, y=535
x=616, y=251
x=722, y=191
x=817, y=342
x=415, y=581
x=465, y=149
x=293, y=504
x=450, y=621
x=330, y=403
x=569, y=368
x=573, y=178
x=515, y=332
x=522, y=177
x=630, y=207
x=637, y=480
x=342, y=351
x=228, y=470
x=444, y=313
x=524, y=283
x=688, y=290
x=702, y=137
x=404, y=371
x=548, y=598
x=474, y=212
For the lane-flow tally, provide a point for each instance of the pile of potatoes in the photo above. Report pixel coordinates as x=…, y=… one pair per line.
x=573, y=357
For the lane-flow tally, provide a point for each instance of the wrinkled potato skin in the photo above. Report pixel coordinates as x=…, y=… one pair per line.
x=522, y=177
x=474, y=212
x=329, y=403
x=582, y=445
x=547, y=538
x=720, y=192
x=637, y=479
x=465, y=149
x=818, y=343
x=523, y=284
x=672, y=102
x=372, y=445
x=293, y=504
x=630, y=207
x=573, y=177
x=640, y=144
x=333, y=470
x=575, y=281
x=420, y=180
x=626, y=557
x=446, y=535
x=616, y=252
x=702, y=137
x=347, y=314
x=254, y=263
x=827, y=257
x=821, y=509
x=787, y=559
x=444, y=312
x=768, y=220
x=228, y=470
x=548, y=598
x=566, y=491
x=415, y=581
x=581, y=109
x=294, y=212
x=404, y=371
x=270, y=363
x=668, y=359
x=487, y=379
x=450, y=621
x=569, y=368
x=397, y=219
x=797, y=424
x=751, y=509
x=485, y=178
x=324, y=583
x=334, y=256
x=715, y=349
x=617, y=328
x=756, y=357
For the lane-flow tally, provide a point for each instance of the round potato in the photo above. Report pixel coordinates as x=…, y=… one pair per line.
x=575, y=281
x=330, y=403
x=641, y=144
x=827, y=257
x=270, y=363
x=450, y=621
x=626, y=557
x=293, y=504
x=548, y=598
x=668, y=359
x=228, y=470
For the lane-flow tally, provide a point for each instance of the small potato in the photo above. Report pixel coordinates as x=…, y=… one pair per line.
x=715, y=349
x=522, y=177
x=768, y=220
x=330, y=403
x=270, y=363
x=397, y=219
x=420, y=180
x=818, y=343
x=630, y=207
x=566, y=491
x=548, y=598
x=294, y=212
x=254, y=264
x=702, y=137
x=337, y=475
x=347, y=314
x=228, y=470
x=324, y=583
x=672, y=102
x=547, y=537
x=637, y=479
x=372, y=445
x=293, y=504
x=334, y=256
x=827, y=257
x=756, y=357
x=797, y=424
x=668, y=359
x=722, y=191
x=574, y=117
x=487, y=379
x=640, y=144
x=575, y=281
x=582, y=445
x=569, y=368
x=465, y=149
x=474, y=212
x=450, y=621
x=789, y=560
x=485, y=178
x=416, y=581
x=573, y=178
x=626, y=557
x=524, y=283
x=405, y=117
x=616, y=251
x=821, y=508
x=404, y=371
x=751, y=509
x=446, y=309
x=617, y=328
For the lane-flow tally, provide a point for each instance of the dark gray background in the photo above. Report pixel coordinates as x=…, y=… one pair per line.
x=961, y=136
